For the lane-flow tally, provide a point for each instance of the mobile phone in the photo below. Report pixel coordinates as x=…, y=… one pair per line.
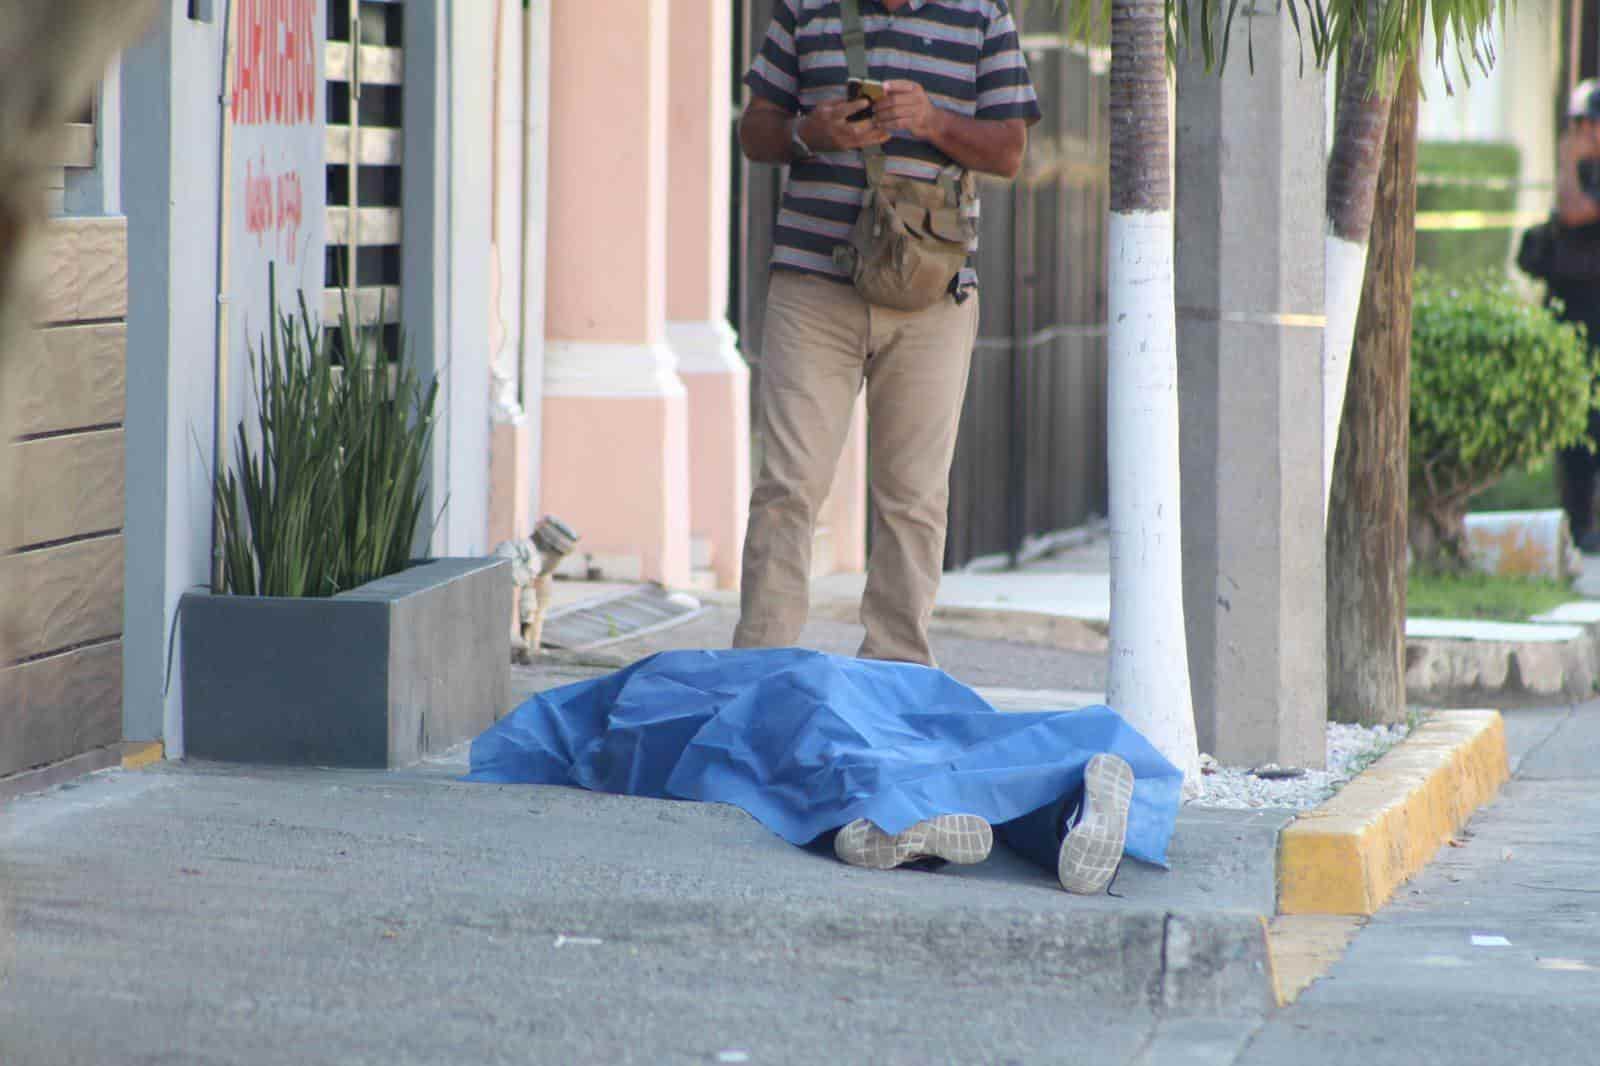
x=856, y=88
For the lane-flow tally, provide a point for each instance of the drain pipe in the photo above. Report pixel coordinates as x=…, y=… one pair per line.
x=219, y=414
x=554, y=540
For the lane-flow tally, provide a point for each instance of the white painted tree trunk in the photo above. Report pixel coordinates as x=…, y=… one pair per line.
x=1361, y=120
x=1345, y=262
x=1149, y=670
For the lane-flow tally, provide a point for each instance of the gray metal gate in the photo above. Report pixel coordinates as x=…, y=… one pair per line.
x=1031, y=457
x=365, y=74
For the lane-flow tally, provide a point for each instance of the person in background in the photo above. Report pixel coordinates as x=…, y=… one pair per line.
x=1573, y=275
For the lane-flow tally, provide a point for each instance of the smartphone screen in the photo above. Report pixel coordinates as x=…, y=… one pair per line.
x=856, y=88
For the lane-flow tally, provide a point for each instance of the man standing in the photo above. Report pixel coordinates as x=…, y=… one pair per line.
x=1574, y=278
x=943, y=91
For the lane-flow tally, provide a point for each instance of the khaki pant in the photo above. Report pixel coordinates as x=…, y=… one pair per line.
x=822, y=341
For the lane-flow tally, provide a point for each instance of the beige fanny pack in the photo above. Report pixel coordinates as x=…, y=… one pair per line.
x=909, y=242
x=911, y=238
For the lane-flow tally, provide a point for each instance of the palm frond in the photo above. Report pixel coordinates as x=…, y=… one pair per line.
x=1462, y=30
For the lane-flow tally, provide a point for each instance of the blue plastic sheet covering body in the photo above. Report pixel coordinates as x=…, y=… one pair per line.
x=807, y=742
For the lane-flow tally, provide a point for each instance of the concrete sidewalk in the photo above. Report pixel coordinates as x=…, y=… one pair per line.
x=201, y=913
x=1075, y=583
x=206, y=914
x=210, y=914
x=1063, y=599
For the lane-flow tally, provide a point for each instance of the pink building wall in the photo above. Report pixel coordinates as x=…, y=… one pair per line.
x=641, y=414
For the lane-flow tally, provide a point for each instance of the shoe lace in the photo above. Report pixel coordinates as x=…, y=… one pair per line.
x=1113, y=881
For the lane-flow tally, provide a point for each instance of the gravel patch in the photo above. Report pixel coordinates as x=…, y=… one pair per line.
x=1351, y=749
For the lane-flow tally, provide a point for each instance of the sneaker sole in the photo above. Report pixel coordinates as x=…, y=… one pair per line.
x=963, y=839
x=1092, y=850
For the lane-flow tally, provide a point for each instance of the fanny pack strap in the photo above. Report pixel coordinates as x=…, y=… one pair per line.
x=855, y=55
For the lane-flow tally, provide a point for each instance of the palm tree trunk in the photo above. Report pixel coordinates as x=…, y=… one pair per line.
x=1149, y=675
x=1361, y=119
x=1367, y=513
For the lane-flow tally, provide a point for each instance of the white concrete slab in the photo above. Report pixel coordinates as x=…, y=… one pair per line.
x=1499, y=632
x=1577, y=613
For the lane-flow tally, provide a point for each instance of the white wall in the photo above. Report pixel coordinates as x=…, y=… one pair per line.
x=448, y=102
x=170, y=85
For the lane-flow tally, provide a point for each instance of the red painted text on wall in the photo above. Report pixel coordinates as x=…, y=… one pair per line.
x=274, y=208
x=275, y=67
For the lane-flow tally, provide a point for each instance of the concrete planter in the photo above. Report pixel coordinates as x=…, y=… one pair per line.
x=382, y=675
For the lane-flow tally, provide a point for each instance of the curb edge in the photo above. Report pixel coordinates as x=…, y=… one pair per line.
x=1349, y=855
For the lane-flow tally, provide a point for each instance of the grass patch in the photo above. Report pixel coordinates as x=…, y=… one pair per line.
x=1499, y=599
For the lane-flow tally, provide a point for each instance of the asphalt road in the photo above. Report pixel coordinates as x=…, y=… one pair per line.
x=1429, y=980
x=978, y=662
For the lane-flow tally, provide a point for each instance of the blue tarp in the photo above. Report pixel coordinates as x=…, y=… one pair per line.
x=806, y=742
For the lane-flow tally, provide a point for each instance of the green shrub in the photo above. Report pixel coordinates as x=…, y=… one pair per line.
x=329, y=488
x=1495, y=383
x=1445, y=173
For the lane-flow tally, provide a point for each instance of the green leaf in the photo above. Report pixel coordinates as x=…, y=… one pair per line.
x=330, y=484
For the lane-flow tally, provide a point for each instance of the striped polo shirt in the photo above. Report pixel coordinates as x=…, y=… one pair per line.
x=964, y=53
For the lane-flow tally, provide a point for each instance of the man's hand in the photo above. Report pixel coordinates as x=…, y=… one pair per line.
x=906, y=106
x=992, y=146
x=828, y=128
x=766, y=130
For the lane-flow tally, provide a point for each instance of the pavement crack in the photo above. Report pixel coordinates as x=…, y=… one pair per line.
x=1141, y=1054
x=1527, y=756
x=1250, y=1040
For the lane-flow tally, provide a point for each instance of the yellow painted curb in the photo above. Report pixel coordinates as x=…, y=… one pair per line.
x=137, y=756
x=1349, y=855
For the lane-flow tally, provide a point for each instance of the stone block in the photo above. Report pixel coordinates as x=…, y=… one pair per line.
x=1521, y=544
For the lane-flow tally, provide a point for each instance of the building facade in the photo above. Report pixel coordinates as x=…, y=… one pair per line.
x=332, y=144
x=532, y=204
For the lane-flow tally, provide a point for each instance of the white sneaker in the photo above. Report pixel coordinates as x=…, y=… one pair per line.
x=963, y=839
x=1092, y=849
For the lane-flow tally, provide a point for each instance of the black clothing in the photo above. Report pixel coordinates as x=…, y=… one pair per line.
x=1568, y=259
